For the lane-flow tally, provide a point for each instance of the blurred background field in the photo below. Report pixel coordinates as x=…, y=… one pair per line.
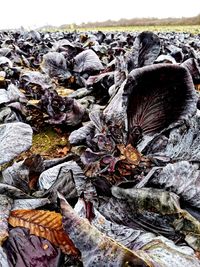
x=194, y=29
x=184, y=24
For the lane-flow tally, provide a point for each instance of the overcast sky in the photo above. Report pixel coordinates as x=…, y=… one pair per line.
x=16, y=13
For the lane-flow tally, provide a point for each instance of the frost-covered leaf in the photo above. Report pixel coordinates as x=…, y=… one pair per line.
x=193, y=66
x=62, y=45
x=14, y=139
x=158, y=211
x=146, y=49
x=49, y=177
x=82, y=134
x=12, y=191
x=14, y=94
x=87, y=61
x=97, y=249
x=64, y=184
x=21, y=174
x=182, y=178
x=5, y=208
x=181, y=144
x=3, y=96
x=122, y=234
x=163, y=251
x=29, y=204
x=55, y=65
x=4, y=61
x=3, y=258
x=35, y=78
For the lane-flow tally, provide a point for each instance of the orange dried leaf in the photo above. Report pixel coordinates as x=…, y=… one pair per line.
x=63, y=151
x=44, y=224
x=129, y=153
x=197, y=86
x=132, y=155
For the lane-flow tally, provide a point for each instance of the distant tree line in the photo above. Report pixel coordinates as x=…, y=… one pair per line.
x=137, y=22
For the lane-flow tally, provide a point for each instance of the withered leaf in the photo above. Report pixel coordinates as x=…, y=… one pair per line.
x=63, y=151
x=96, y=248
x=45, y=224
x=130, y=154
x=162, y=250
x=146, y=203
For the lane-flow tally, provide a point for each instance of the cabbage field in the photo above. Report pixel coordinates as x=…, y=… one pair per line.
x=100, y=147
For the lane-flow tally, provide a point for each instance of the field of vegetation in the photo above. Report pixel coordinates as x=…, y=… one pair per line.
x=191, y=25
x=194, y=29
x=99, y=147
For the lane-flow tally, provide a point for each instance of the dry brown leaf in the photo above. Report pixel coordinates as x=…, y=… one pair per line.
x=2, y=81
x=33, y=180
x=63, y=151
x=130, y=154
x=62, y=91
x=46, y=224
x=33, y=102
x=197, y=86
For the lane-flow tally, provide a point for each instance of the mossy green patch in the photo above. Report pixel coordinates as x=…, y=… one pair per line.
x=47, y=141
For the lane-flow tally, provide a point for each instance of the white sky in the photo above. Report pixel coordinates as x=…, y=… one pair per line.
x=16, y=13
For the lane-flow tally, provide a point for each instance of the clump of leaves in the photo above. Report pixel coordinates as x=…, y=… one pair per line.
x=111, y=160
x=61, y=110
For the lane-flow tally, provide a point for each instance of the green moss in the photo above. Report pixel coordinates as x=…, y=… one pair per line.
x=47, y=141
x=5, y=166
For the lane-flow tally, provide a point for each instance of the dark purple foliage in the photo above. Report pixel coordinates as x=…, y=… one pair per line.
x=61, y=110
x=24, y=250
x=157, y=96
